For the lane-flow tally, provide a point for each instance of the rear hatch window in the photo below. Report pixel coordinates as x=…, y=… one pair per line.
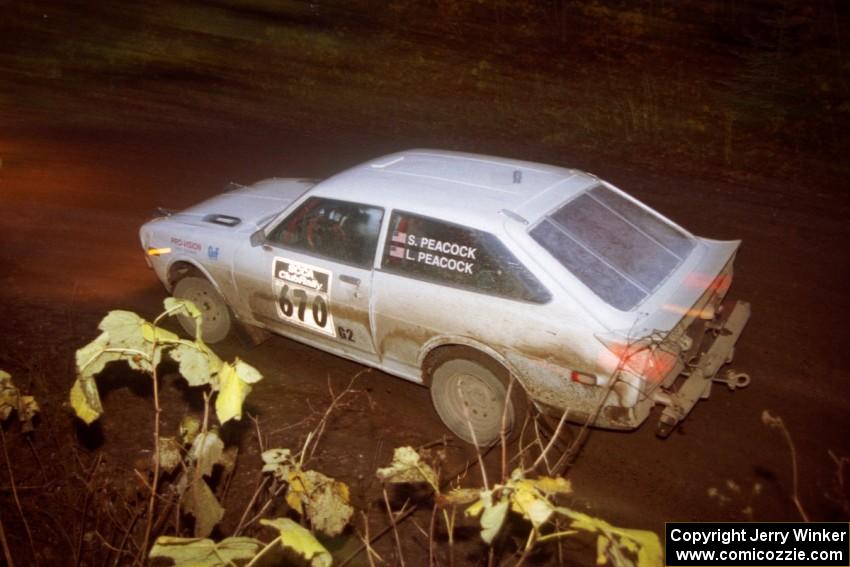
x=618, y=249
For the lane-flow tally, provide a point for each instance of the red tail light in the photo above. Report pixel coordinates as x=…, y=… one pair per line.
x=583, y=378
x=648, y=361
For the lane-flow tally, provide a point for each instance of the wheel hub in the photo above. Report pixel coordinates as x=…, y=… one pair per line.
x=476, y=396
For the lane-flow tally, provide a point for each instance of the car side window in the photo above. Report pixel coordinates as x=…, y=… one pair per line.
x=337, y=230
x=450, y=254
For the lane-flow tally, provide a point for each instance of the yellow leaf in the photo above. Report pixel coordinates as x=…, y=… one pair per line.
x=196, y=366
x=492, y=519
x=124, y=329
x=475, y=509
x=247, y=372
x=649, y=552
x=588, y=523
x=297, y=491
x=532, y=506
x=278, y=462
x=149, y=332
x=293, y=499
x=85, y=400
x=214, y=361
x=344, y=492
x=206, y=451
x=327, y=503
x=301, y=541
x=200, y=502
x=91, y=359
x=458, y=496
x=323, y=500
x=11, y=400
x=407, y=467
x=552, y=485
x=645, y=543
x=299, y=481
x=232, y=394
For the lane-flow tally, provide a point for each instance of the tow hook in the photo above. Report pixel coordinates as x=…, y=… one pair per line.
x=665, y=426
x=734, y=380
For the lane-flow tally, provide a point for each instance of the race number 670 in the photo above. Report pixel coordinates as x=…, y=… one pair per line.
x=300, y=300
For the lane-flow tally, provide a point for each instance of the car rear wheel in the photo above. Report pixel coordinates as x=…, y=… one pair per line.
x=215, y=324
x=469, y=393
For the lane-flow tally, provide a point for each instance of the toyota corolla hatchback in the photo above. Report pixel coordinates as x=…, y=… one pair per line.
x=495, y=283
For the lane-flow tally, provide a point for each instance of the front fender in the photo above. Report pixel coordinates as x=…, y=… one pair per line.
x=173, y=266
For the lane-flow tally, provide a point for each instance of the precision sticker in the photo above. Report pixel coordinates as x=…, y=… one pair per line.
x=303, y=295
x=463, y=259
x=188, y=245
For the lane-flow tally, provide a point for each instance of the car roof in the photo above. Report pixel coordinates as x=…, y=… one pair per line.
x=458, y=187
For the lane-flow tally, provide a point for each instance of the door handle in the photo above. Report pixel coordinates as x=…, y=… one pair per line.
x=351, y=280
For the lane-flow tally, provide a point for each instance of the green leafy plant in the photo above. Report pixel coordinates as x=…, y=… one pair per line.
x=191, y=455
x=141, y=344
x=11, y=400
x=126, y=336
x=321, y=499
x=533, y=499
x=408, y=467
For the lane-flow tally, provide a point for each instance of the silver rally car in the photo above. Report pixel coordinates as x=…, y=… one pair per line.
x=494, y=282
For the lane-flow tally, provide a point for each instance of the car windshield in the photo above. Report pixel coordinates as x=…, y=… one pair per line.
x=620, y=250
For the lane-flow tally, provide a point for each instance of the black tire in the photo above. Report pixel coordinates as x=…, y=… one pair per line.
x=459, y=377
x=216, y=322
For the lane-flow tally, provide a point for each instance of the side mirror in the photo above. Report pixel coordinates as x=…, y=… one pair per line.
x=258, y=238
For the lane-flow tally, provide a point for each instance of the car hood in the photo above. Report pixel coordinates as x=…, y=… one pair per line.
x=253, y=205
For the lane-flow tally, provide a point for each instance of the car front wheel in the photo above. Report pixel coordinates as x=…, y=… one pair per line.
x=469, y=395
x=215, y=324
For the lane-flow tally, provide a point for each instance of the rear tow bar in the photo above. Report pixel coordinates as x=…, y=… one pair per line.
x=697, y=385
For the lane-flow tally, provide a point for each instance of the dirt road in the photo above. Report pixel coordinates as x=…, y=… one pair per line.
x=71, y=207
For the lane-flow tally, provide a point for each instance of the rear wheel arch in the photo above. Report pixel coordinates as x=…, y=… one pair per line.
x=437, y=347
x=446, y=351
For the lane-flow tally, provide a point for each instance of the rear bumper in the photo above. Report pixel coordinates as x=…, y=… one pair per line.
x=675, y=372
x=683, y=395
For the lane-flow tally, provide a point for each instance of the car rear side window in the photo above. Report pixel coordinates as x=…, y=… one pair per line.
x=337, y=230
x=618, y=249
x=449, y=254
